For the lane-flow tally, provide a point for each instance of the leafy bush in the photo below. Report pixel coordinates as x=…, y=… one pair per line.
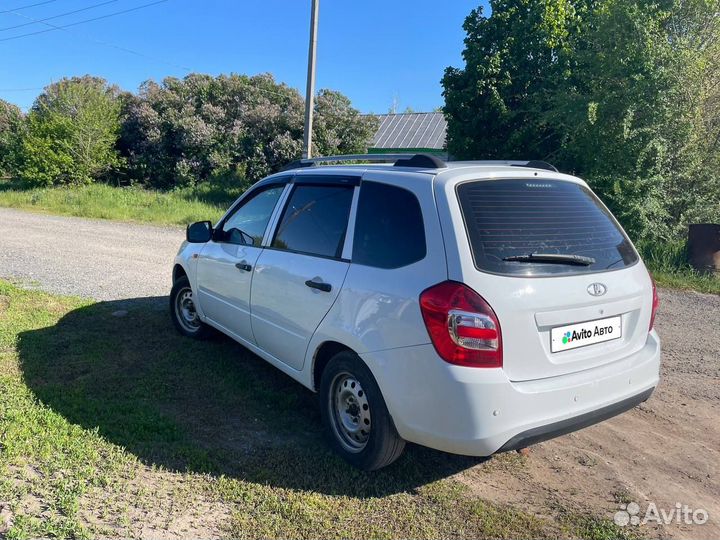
x=230, y=129
x=70, y=133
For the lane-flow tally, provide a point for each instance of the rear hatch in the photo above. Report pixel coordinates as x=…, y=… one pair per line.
x=560, y=273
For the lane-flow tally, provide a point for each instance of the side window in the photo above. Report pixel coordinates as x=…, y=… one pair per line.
x=315, y=220
x=248, y=223
x=389, y=229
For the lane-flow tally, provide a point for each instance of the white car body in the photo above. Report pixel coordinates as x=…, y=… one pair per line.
x=376, y=313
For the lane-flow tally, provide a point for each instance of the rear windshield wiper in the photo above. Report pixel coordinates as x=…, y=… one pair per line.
x=552, y=258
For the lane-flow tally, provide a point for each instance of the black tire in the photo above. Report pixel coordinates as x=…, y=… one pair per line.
x=381, y=445
x=187, y=326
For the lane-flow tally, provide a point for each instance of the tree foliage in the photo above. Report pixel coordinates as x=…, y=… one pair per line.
x=11, y=126
x=180, y=132
x=202, y=128
x=622, y=92
x=70, y=133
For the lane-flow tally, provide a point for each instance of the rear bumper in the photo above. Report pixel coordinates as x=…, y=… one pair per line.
x=550, y=431
x=479, y=412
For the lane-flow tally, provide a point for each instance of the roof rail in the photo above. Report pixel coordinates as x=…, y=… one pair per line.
x=531, y=164
x=398, y=160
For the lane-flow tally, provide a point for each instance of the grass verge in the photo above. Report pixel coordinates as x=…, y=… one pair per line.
x=668, y=265
x=686, y=279
x=113, y=425
x=101, y=201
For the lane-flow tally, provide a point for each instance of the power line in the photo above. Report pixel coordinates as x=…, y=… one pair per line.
x=104, y=43
x=53, y=27
x=58, y=16
x=29, y=6
x=21, y=89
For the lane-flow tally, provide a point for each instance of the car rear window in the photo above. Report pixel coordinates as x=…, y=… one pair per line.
x=515, y=218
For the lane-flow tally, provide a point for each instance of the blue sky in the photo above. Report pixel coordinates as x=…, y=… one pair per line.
x=374, y=51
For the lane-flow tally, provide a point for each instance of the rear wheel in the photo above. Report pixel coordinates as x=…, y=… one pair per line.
x=183, y=312
x=355, y=415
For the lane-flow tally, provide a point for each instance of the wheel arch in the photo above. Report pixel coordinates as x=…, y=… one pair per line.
x=178, y=272
x=324, y=352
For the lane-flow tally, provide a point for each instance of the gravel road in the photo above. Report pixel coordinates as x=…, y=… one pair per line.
x=103, y=260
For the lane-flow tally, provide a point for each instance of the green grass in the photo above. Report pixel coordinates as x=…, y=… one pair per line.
x=116, y=426
x=686, y=279
x=668, y=265
x=178, y=207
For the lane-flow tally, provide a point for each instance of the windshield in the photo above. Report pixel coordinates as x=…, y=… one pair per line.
x=540, y=228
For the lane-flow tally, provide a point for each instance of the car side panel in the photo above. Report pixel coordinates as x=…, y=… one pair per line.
x=285, y=311
x=223, y=288
x=378, y=308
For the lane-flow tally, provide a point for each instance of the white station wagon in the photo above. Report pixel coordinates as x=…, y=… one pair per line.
x=471, y=307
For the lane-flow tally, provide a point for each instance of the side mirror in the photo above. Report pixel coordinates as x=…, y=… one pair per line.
x=199, y=233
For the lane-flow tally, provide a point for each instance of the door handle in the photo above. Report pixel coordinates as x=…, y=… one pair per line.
x=325, y=287
x=243, y=266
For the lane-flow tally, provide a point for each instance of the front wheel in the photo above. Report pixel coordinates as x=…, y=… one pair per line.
x=356, y=418
x=183, y=312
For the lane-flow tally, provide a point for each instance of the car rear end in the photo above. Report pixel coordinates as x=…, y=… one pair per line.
x=545, y=323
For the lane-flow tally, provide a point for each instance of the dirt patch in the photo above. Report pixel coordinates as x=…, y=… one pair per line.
x=665, y=451
x=155, y=504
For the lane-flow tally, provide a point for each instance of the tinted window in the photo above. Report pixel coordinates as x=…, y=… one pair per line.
x=389, y=230
x=248, y=223
x=315, y=220
x=510, y=218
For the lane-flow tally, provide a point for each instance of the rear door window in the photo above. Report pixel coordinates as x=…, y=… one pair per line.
x=512, y=224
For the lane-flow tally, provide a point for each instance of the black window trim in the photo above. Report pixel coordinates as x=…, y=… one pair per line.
x=326, y=180
x=296, y=252
x=247, y=197
x=352, y=182
x=574, y=273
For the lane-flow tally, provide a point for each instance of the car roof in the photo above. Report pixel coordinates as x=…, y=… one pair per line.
x=361, y=168
x=420, y=165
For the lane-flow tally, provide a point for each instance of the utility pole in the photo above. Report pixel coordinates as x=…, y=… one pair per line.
x=310, y=92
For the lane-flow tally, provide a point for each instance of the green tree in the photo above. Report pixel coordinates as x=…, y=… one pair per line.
x=622, y=92
x=11, y=126
x=71, y=133
x=517, y=60
x=339, y=128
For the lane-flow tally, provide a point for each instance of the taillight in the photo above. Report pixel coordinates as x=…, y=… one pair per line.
x=655, y=304
x=462, y=326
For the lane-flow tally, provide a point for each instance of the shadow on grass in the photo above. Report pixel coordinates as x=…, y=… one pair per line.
x=208, y=407
x=13, y=184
